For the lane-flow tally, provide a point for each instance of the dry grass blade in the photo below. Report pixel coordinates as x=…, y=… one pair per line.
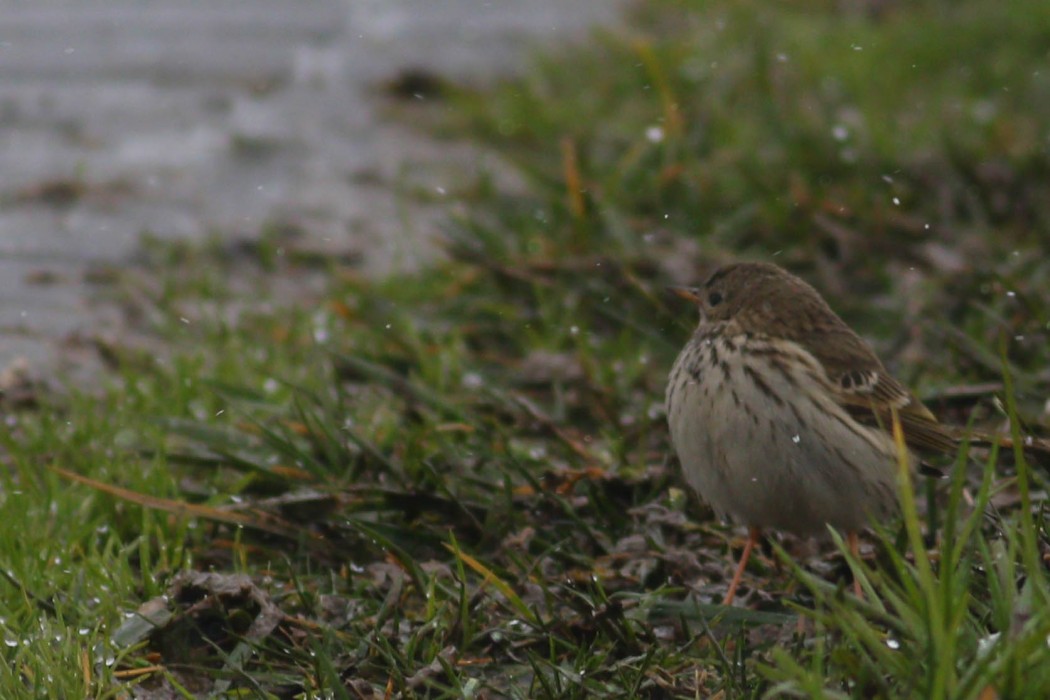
x=263, y=522
x=490, y=577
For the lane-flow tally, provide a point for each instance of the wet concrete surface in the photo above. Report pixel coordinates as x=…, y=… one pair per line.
x=120, y=118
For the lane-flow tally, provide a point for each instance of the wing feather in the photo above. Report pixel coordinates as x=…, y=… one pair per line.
x=869, y=392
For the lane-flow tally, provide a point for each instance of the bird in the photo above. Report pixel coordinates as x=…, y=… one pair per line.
x=781, y=415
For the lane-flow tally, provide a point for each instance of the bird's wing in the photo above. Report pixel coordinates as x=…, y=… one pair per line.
x=872, y=395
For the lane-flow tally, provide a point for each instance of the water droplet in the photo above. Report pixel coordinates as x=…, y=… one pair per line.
x=655, y=134
x=896, y=201
x=796, y=439
x=985, y=644
x=893, y=644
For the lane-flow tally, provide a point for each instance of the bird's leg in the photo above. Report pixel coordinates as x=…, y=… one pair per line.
x=753, y=534
x=854, y=549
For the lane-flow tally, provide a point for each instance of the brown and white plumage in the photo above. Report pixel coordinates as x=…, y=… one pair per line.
x=781, y=415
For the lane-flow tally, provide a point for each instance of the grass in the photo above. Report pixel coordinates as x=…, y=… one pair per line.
x=456, y=484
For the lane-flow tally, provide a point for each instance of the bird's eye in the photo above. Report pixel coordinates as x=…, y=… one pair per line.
x=714, y=298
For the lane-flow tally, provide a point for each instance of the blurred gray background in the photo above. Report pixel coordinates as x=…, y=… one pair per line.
x=187, y=119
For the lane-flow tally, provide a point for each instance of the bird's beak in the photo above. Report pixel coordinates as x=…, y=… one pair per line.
x=688, y=293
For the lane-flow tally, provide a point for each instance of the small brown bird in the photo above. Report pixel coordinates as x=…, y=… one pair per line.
x=781, y=415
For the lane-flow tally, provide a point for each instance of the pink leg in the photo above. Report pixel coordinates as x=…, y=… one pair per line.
x=752, y=538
